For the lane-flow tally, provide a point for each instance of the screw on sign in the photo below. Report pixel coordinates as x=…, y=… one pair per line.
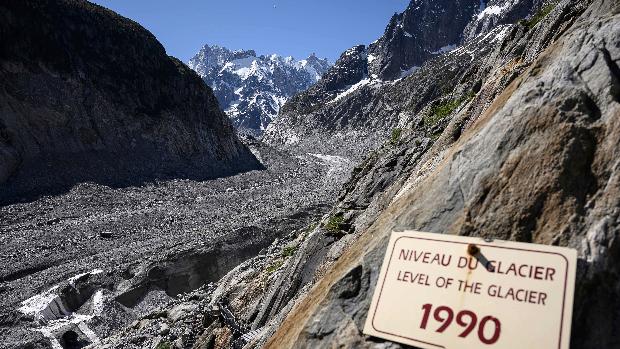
x=443, y=291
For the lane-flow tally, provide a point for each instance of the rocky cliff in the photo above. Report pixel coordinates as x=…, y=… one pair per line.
x=250, y=88
x=350, y=100
x=424, y=30
x=531, y=155
x=513, y=134
x=87, y=95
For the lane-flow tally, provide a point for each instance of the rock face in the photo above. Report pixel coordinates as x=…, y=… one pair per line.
x=512, y=135
x=425, y=29
x=252, y=89
x=87, y=95
x=539, y=164
x=498, y=12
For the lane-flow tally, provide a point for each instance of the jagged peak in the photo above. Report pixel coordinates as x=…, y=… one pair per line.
x=251, y=88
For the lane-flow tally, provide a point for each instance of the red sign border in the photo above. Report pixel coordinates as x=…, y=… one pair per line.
x=467, y=243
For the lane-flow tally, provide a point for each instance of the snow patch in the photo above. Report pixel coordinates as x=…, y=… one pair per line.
x=406, y=73
x=73, y=279
x=330, y=159
x=444, y=49
x=54, y=317
x=334, y=162
x=46, y=305
x=98, y=303
x=351, y=89
x=492, y=10
x=502, y=34
x=305, y=65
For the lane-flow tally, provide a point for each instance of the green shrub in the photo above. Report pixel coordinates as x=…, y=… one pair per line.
x=164, y=345
x=334, y=223
x=289, y=251
x=396, y=133
x=542, y=13
x=275, y=266
x=311, y=227
x=470, y=95
x=439, y=112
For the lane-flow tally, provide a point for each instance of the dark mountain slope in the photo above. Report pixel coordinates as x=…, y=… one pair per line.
x=418, y=34
x=86, y=94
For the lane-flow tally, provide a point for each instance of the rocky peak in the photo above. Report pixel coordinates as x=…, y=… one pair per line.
x=240, y=54
x=407, y=46
x=493, y=13
x=209, y=57
x=250, y=88
x=425, y=29
x=349, y=69
x=315, y=66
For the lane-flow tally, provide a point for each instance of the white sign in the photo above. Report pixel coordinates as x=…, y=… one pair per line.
x=443, y=291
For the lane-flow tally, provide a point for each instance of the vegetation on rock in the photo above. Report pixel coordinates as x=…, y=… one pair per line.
x=542, y=13
x=275, y=266
x=289, y=251
x=396, y=133
x=164, y=345
x=334, y=223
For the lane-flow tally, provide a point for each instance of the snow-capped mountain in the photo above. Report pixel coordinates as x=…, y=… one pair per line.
x=250, y=88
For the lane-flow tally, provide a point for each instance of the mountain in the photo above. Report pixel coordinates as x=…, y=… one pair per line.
x=409, y=41
x=88, y=95
x=361, y=97
x=503, y=127
x=250, y=88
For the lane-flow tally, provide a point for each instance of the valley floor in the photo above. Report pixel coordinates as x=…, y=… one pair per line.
x=125, y=231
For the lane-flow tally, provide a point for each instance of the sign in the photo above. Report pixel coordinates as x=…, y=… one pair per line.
x=443, y=291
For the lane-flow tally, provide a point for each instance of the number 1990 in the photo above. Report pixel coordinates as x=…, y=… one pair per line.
x=464, y=318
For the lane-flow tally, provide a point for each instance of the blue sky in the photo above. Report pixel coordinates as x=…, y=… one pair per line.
x=287, y=27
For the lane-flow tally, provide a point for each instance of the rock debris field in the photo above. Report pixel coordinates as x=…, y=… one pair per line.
x=182, y=229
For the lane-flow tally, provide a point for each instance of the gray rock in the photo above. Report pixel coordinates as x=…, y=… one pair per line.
x=181, y=311
x=530, y=168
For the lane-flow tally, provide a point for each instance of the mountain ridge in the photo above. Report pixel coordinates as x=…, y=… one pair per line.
x=252, y=88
